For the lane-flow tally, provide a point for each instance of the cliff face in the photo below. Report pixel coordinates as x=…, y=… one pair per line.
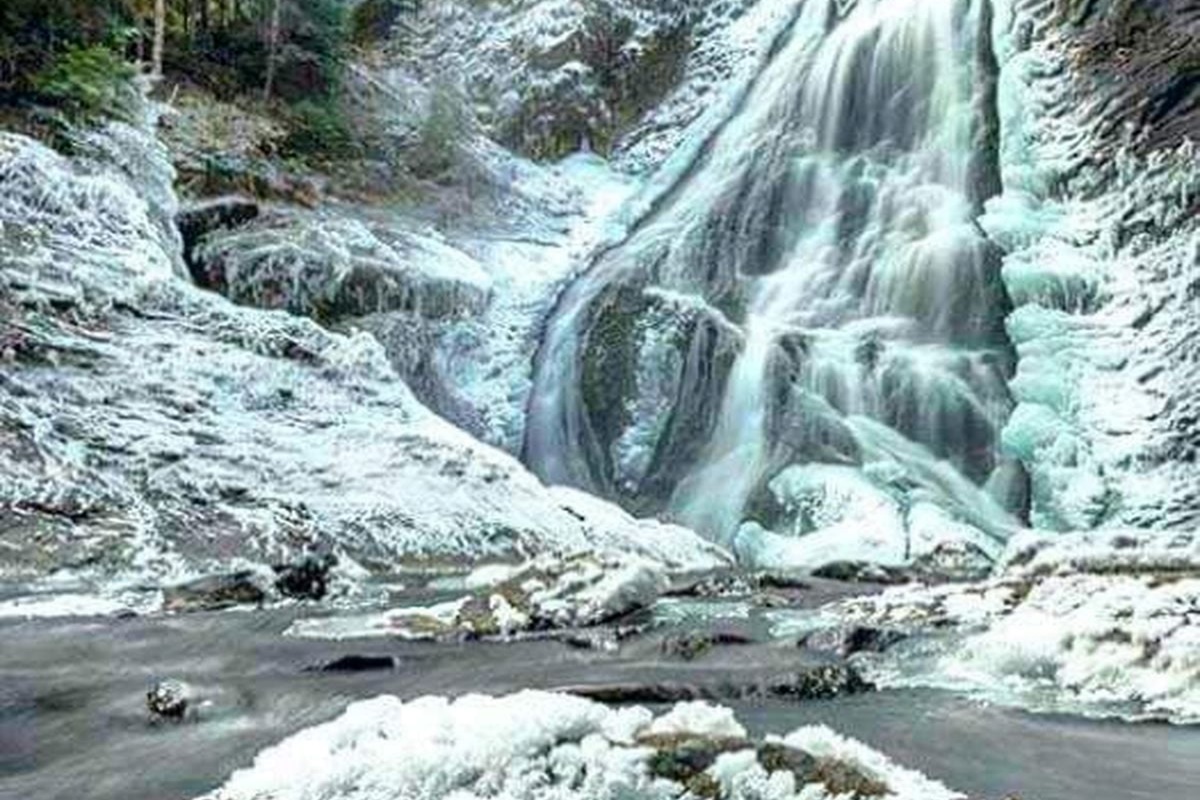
x=1099, y=106
x=150, y=429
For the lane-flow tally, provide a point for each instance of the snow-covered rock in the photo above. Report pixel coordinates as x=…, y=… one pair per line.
x=539, y=746
x=152, y=429
x=547, y=593
x=1103, y=623
x=331, y=267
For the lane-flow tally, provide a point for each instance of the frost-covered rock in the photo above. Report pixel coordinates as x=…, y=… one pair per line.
x=168, y=699
x=534, y=745
x=1104, y=623
x=330, y=267
x=547, y=593
x=553, y=77
x=154, y=430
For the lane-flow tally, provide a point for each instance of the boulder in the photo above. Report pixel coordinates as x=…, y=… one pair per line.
x=356, y=663
x=306, y=579
x=860, y=572
x=850, y=639
x=168, y=700
x=198, y=220
x=214, y=592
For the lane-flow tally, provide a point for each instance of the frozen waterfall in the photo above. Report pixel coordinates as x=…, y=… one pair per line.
x=804, y=339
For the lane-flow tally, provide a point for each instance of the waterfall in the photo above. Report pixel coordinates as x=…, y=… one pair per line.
x=836, y=313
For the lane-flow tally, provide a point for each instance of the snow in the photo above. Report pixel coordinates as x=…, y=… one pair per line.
x=698, y=718
x=181, y=433
x=848, y=514
x=547, y=592
x=60, y=605
x=487, y=358
x=342, y=266
x=527, y=746
x=1101, y=623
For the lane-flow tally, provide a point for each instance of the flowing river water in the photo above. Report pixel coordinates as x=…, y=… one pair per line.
x=73, y=724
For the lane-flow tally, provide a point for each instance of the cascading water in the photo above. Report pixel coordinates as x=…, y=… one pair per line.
x=812, y=314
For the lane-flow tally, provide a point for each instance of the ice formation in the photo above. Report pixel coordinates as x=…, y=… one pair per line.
x=1098, y=219
x=547, y=593
x=1099, y=623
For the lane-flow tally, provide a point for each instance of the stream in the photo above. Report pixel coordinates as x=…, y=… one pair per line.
x=73, y=724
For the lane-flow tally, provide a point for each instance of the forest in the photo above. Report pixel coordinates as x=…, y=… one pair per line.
x=76, y=54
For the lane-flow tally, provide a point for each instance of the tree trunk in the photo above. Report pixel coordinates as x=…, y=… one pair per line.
x=160, y=37
x=272, y=47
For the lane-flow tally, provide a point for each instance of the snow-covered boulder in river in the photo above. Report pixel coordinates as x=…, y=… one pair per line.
x=548, y=593
x=1100, y=623
x=538, y=746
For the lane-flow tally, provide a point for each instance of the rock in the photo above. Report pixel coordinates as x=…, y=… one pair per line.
x=307, y=579
x=776, y=757
x=168, y=699
x=197, y=221
x=628, y=693
x=860, y=572
x=839, y=777
x=356, y=663
x=784, y=580
x=817, y=682
x=851, y=639
x=548, y=594
x=214, y=592
x=688, y=646
x=953, y=561
x=713, y=585
x=822, y=682
x=683, y=757
x=328, y=268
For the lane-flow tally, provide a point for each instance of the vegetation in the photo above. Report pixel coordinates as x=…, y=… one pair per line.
x=88, y=82
x=76, y=53
x=262, y=94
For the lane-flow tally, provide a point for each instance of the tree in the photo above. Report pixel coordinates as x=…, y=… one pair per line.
x=160, y=37
x=272, y=47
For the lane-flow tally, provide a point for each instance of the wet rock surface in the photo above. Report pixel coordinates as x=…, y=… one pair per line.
x=168, y=700
x=215, y=592
x=356, y=663
x=306, y=579
x=200, y=219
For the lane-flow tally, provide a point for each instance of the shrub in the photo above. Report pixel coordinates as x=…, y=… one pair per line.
x=442, y=134
x=373, y=20
x=317, y=130
x=89, y=82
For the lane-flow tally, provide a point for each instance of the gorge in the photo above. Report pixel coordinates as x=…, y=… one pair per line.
x=600, y=399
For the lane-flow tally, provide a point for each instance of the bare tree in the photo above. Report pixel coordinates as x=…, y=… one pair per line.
x=160, y=37
x=272, y=47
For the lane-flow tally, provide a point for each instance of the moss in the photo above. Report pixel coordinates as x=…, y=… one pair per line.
x=703, y=785
x=684, y=757
x=476, y=617
x=610, y=354
x=838, y=777
x=89, y=83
